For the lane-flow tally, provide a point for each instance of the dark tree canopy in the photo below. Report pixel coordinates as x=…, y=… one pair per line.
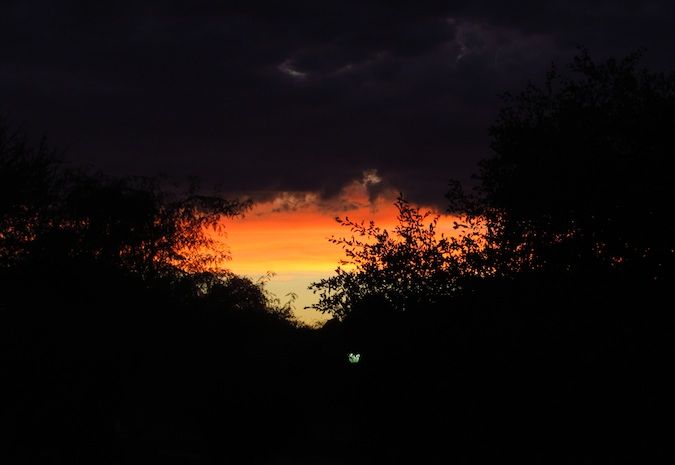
x=581, y=179
x=118, y=316
x=28, y=190
x=80, y=226
x=134, y=223
x=582, y=170
x=410, y=266
x=129, y=223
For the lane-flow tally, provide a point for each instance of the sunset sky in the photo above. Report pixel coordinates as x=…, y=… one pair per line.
x=293, y=104
x=288, y=235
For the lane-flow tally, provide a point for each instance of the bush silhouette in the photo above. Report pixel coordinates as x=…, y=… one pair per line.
x=581, y=173
x=123, y=336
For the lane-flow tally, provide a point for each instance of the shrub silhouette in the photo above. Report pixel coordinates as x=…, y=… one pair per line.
x=407, y=267
x=538, y=335
x=123, y=336
x=581, y=173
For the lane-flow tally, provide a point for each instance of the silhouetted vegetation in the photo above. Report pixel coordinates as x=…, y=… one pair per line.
x=539, y=333
x=124, y=338
x=411, y=266
x=581, y=174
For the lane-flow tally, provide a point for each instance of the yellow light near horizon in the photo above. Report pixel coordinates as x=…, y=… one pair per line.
x=294, y=244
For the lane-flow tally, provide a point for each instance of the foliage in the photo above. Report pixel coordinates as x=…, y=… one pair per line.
x=581, y=174
x=581, y=179
x=411, y=265
x=49, y=213
x=117, y=309
x=143, y=229
x=28, y=190
x=52, y=218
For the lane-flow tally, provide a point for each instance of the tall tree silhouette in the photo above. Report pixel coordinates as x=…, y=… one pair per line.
x=132, y=224
x=119, y=320
x=575, y=207
x=582, y=171
x=28, y=189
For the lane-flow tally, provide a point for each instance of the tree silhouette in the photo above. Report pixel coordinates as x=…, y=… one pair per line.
x=132, y=224
x=120, y=321
x=141, y=228
x=407, y=267
x=28, y=189
x=582, y=171
x=578, y=250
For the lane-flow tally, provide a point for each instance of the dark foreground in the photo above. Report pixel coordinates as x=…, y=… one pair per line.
x=533, y=370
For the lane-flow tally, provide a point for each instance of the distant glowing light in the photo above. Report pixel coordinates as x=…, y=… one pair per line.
x=353, y=357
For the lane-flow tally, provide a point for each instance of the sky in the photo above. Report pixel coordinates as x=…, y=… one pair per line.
x=288, y=236
x=285, y=100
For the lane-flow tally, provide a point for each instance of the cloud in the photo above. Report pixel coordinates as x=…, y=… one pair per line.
x=369, y=192
x=293, y=201
x=294, y=96
x=287, y=68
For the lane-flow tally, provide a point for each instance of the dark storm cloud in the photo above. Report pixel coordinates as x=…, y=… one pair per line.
x=258, y=96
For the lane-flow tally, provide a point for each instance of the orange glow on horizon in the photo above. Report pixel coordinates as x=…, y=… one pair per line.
x=293, y=240
x=288, y=235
